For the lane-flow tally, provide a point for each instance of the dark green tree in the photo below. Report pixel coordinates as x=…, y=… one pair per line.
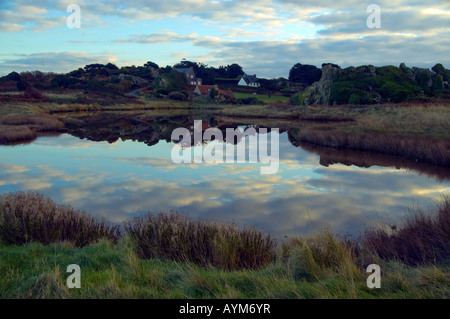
x=151, y=64
x=304, y=74
x=234, y=70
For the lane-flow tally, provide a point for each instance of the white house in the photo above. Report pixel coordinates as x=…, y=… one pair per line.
x=249, y=80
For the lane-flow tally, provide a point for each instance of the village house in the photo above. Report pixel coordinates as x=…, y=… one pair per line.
x=190, y=76
x=249, y=80
x=202, y=90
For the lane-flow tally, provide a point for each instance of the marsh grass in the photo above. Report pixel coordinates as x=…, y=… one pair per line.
x=422, y=238
x=12, y=133
x=31, y=217
x=178, y=237
x=23, y=127
x=420, y=148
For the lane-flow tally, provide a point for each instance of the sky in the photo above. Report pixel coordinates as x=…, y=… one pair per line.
x=266, y=37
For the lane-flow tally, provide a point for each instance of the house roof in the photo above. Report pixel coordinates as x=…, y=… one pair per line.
x=184, y=70
x=250, y=78
x=204, y=89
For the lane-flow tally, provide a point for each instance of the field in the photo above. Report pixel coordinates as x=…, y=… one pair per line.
x=262, y=97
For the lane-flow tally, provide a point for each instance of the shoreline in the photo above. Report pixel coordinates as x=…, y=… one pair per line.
x=417, y=132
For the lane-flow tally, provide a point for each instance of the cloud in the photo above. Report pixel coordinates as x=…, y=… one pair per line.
x=267, y=37
x=52, y=61
x=158, y=38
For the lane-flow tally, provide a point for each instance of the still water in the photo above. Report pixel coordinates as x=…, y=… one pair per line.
x=314, y=188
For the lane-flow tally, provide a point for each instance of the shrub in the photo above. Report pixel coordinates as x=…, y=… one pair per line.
x=250, y=101
x=178, y=96
x=298, y=98
x=63, y=81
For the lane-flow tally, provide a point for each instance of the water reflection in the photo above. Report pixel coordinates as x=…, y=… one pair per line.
x=119, y=176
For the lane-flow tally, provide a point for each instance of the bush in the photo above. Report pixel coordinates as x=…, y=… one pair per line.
x=354, y=99
x=297, y=98
x=21, y=85
x=250, y=101
x=63, y=81
x=178, y=96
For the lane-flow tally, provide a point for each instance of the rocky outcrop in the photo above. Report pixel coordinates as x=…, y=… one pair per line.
x=319, y=92
x=135, y=80
x=372, y=85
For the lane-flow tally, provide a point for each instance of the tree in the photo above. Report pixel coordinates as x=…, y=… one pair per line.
x=63, y=81
x=111, y=66
x=150, y=64
x=304, y=74
x=13, y=76
x=234, y=70
x=21, y=85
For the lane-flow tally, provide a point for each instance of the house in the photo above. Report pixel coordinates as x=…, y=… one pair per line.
x=190, y=75
x=249, y=80
x=206, y=89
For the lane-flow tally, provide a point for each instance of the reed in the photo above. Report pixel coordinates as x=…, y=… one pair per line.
x=422, y=238
x=177, y=237
x=31, y=217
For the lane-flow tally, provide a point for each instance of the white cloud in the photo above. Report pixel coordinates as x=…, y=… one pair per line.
x=52, y=61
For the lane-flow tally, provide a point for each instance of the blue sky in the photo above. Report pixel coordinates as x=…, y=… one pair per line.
x=266, y=37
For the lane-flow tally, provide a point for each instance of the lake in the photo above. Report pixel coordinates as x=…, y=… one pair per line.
x=122, y=167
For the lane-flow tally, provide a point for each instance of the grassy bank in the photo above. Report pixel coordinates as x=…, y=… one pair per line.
x=414, y=259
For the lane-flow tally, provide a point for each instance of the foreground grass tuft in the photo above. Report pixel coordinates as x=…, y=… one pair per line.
x=31, y=217
x=177, y=237
x=423, y=238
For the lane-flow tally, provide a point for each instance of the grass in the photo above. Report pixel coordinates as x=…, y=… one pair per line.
x=320, y=266
x=177, y=237
x=423, y=237
x=31, y=217
x=420, y=148
x=24, y=127
x=262, y=97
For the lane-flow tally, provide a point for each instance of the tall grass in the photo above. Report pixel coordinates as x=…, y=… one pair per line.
x=177, y=237
x=10, y=134
x=423, y=238
x=21, y=127
x=317, y=256
x=31, y=217
x=420, y=148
